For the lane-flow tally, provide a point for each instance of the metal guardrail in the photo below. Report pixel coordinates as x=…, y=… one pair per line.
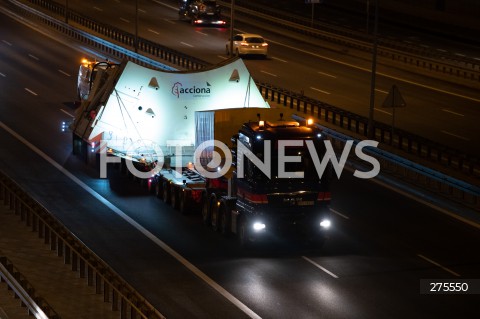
x=419, y=175
x=123, y=297
x=36, y=306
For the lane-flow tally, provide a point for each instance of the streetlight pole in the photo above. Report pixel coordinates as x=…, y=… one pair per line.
x=136, y=27
x=370, y=128
x=232, y=17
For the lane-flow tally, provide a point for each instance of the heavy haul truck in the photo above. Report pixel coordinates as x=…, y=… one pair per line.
x=260, y=196
x=161, y=126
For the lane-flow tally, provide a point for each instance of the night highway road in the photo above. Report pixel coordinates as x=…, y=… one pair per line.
x=381, y=245
x=441, y=111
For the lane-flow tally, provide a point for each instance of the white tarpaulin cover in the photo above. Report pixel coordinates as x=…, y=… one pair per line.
x=156, y=106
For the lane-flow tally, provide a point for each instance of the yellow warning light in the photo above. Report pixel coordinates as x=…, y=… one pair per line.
x=309, y=122
x=261, y=124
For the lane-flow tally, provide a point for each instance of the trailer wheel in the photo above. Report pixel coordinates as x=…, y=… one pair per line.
x=205, y=209
x=166, y=192
x=174, y=196
x=214, y=214
x=224, y=220
x=159, y=189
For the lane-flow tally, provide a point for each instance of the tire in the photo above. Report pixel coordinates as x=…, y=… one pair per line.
x=166, y=192
x=174, y=196
x=206, y=209
x=159, y=189
x=243, y=237
x=214, y=214
x=224, y=216
x=183, y=206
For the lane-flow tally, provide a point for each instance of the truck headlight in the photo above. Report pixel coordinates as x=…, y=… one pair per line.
x=257, y=226
x=325, y=223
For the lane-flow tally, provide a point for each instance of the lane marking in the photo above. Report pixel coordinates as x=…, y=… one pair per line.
x=424, y=45
x=459, y=114
x=460, y=54
x=34, y=57
x=277, y=59
x=124, y=20
x=339, y=214
x=269, y=73
x=153, y=31
x=64, y=73
x=320, y=267
x=455, y=135
x=98, y=9
x=142, y=11
x=441, y=50
x=438, y=265
x=30, y=91
x=139, y=227
x=326, y=74
x=322, y=91
x=169, y=21
x=71, y=115
x=378, y=73
x=381, y=91
x=382, y=111
x=188, y=45
x=202, y=33
x=3, y=75
x=6, y=42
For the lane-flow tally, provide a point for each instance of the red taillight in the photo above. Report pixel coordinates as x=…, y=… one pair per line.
x=324, y=196
x=256, y=198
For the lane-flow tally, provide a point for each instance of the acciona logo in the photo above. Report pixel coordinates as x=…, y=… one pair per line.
x=178, y=90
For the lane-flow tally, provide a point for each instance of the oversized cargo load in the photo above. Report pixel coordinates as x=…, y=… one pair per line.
x=136, y=110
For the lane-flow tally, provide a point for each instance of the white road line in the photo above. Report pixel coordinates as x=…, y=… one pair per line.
x=30, y=91
x=448, y=111
x=320, y=267
x=63, y=72
x=441, y=50
x=139, y=227
x=153, y=31
x=71, y=115
x=33, y=57
x=188, y=45
x=438, y=265
x=460, y=54
x=315, y=89
x=455, y=135
x=381, y=91
x=269, y=73
x=477, y=59
x=277, y=59
x=98, y=9
x=382, y=111
x=326, y=74
x=142, y=11
x=1, y=74
x=169, y=21
x=424, y=45
x=125, y=20
x=202, y=33
x=6, y=42
x=378, y=73
x=339, y=214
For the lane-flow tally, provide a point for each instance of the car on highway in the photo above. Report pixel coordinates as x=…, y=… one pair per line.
x=248, y=44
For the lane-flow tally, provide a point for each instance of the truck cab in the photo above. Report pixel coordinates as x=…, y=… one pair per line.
x=257, y=207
